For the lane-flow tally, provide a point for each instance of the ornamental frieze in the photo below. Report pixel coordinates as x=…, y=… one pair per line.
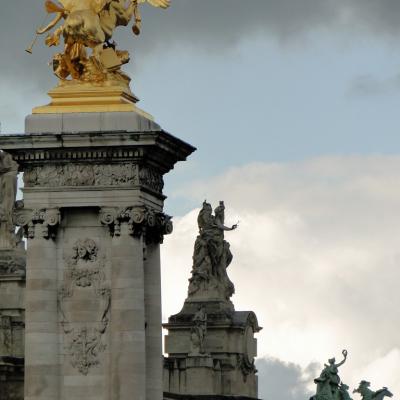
x=141, y=221
x=82, y=175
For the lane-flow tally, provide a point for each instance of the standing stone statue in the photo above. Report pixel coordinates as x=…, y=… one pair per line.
x=368, y=394
x=328, y=383
x=212, y=255
x=8, y=192
x=198, y=332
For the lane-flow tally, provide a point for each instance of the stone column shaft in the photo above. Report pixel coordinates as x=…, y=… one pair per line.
x=128, y=319
x=152, y=284
x=42, y=333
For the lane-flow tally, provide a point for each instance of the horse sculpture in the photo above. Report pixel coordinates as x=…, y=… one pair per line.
x=368, y=394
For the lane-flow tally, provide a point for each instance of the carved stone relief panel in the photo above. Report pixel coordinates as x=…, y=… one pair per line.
x=85, y=285
x=12, y=263
x=82, y=175
x=152, y=179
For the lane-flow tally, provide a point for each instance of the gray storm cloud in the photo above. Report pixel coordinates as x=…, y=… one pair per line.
x=213, y=24
x=284, y=381
x=207, y=25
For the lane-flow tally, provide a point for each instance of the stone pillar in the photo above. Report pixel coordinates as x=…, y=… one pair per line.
x=128, y=349
x=153, y=317
x=93, y=210
x=42, y=365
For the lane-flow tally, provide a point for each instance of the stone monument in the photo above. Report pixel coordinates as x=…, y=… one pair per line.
x=211, y=346
x=92, y=214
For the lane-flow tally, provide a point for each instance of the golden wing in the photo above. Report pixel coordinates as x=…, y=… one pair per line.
x=157, y=3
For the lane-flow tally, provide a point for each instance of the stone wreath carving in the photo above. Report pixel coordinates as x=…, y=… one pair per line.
x=140, y=220
x=85, y=281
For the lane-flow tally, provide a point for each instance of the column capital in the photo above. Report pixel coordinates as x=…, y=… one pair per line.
x=38, y=222
x=141, y=220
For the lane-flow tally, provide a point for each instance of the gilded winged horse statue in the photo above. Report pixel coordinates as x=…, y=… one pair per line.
x=87, y=27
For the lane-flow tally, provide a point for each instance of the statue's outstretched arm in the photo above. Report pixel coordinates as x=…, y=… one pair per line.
x=226, y=228
x=344, y=352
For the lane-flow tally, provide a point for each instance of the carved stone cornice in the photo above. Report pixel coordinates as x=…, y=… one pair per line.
x=38, y=223
x=141, y=221
x=156, y=149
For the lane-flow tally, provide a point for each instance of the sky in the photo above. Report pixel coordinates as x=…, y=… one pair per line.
x=293, y=107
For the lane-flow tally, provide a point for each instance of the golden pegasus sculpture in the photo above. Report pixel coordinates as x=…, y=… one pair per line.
x=89, y=55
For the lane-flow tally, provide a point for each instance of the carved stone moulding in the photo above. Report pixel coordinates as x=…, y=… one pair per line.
x=38, y=223
x=141, y=221
x=156, y=149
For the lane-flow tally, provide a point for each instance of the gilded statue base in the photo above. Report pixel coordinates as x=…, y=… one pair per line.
x=87, y=98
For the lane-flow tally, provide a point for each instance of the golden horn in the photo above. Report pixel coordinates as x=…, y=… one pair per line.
x=30, y=48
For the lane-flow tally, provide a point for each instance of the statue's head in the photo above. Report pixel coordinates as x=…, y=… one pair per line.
x=80, y=249
x=207, y=207
x=332, y=361
x=365, y=383
x=220, y=209
x=91, y=247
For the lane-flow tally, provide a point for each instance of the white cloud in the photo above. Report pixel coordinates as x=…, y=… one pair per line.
x=316, y=256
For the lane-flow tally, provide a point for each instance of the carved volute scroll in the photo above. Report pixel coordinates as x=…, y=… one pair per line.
x=141, y=221
x=38, y=223
x=85, y=281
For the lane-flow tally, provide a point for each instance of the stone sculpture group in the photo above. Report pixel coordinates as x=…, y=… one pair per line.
x=330, y=386
x=212, y=255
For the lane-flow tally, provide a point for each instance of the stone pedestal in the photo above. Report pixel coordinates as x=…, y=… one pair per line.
x=93, y=216
x=227, y=370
